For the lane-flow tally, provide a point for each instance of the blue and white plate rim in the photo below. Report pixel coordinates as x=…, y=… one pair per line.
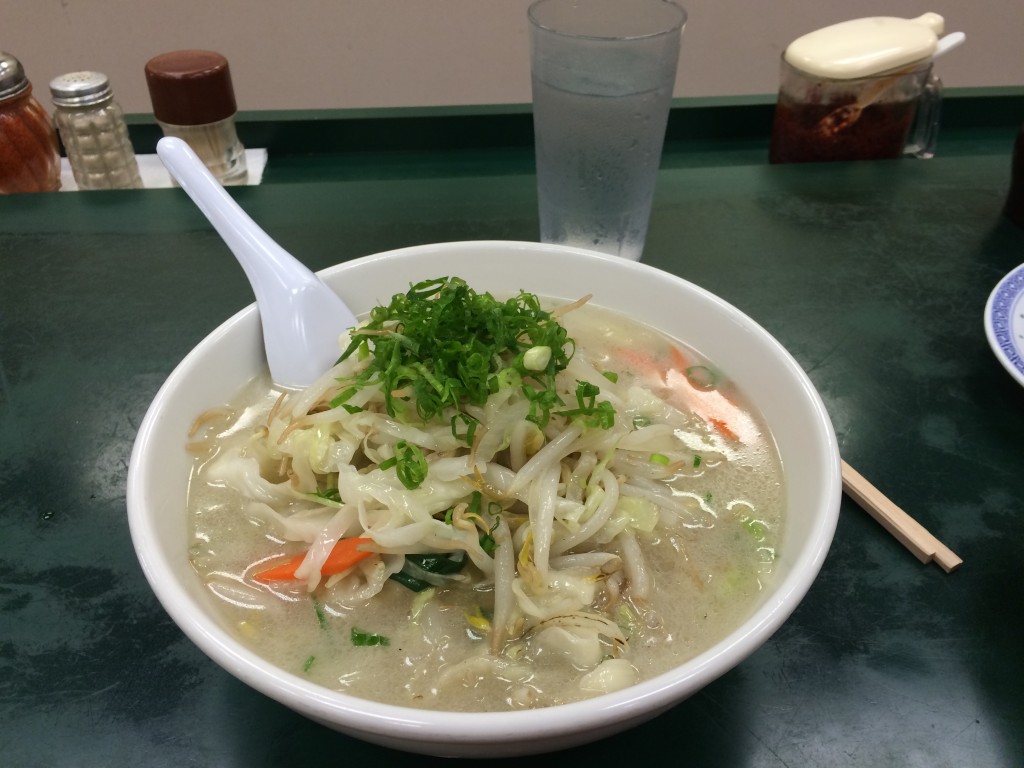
x=1005, y=304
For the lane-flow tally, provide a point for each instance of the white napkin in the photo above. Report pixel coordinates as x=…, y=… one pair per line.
x=154, y=175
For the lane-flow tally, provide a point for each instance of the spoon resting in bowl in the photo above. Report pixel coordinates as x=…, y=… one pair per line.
x=302, y=318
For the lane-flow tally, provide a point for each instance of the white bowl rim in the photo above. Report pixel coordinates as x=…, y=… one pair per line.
x=393, y=722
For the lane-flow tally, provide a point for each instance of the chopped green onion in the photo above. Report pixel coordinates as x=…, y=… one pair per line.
x=660, y=458
x=308, y=663
x=470, y=423
x=696, y=461
x=361, y=638
x=488, y=544
x=612, y=376
x=410, y=464
x=589, y=411
x=701, y=377
x=442, y=344
x=321, y=615
x=342, y=397
x=331, y=495
x=756, y=527
x=542, y=401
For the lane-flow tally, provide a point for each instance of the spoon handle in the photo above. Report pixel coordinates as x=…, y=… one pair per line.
x=258, y=254
x=301, y=316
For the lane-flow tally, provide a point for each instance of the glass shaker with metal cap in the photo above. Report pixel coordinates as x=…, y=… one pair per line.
x=29, y=150
x=92, y=128
x=194, y=100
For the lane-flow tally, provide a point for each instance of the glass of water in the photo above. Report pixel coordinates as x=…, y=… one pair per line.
x=603, y=72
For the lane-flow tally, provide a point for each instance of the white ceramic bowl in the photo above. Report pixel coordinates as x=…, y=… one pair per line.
x=218, y=367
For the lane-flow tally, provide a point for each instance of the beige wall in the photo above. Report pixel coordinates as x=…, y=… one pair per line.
x=311, y=54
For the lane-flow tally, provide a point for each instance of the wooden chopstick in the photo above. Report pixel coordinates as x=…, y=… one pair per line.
x=906, y=529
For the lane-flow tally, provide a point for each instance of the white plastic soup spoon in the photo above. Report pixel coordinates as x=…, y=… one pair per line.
x=302, y=318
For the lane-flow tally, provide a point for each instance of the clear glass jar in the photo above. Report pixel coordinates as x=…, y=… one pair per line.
x=29, y=150
x=194, y=100
x=92, y=128
x=820, y=119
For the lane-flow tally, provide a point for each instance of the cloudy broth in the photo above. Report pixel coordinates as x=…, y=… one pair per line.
x=706, y=557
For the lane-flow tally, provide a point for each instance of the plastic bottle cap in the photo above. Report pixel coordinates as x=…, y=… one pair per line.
x=865, y=47
x=190, y=87
x=79, y=89
x=12, y=76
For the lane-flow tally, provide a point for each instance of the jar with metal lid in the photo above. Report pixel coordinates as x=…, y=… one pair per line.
x=193, y=99
x=29, y=150
x=92, y=128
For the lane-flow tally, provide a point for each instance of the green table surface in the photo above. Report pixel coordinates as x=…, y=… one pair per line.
x=874, y=276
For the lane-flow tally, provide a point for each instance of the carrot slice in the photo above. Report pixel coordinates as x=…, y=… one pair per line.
x=722, y=427
x=640, y=362
x=679, y=361
x=344, y=555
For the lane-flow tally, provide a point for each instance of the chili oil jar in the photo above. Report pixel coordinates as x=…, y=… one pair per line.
x=29, y=150
x=92, y=128
x=862, y=89
x=193, y=99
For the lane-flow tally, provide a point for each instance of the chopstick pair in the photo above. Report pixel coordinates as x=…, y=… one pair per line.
x=906, y=529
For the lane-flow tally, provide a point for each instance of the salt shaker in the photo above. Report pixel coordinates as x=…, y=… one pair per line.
x=29, y=150
x=193, y=99
x=92, y=128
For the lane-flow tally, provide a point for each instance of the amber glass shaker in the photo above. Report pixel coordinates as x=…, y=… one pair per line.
x=29, y=149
